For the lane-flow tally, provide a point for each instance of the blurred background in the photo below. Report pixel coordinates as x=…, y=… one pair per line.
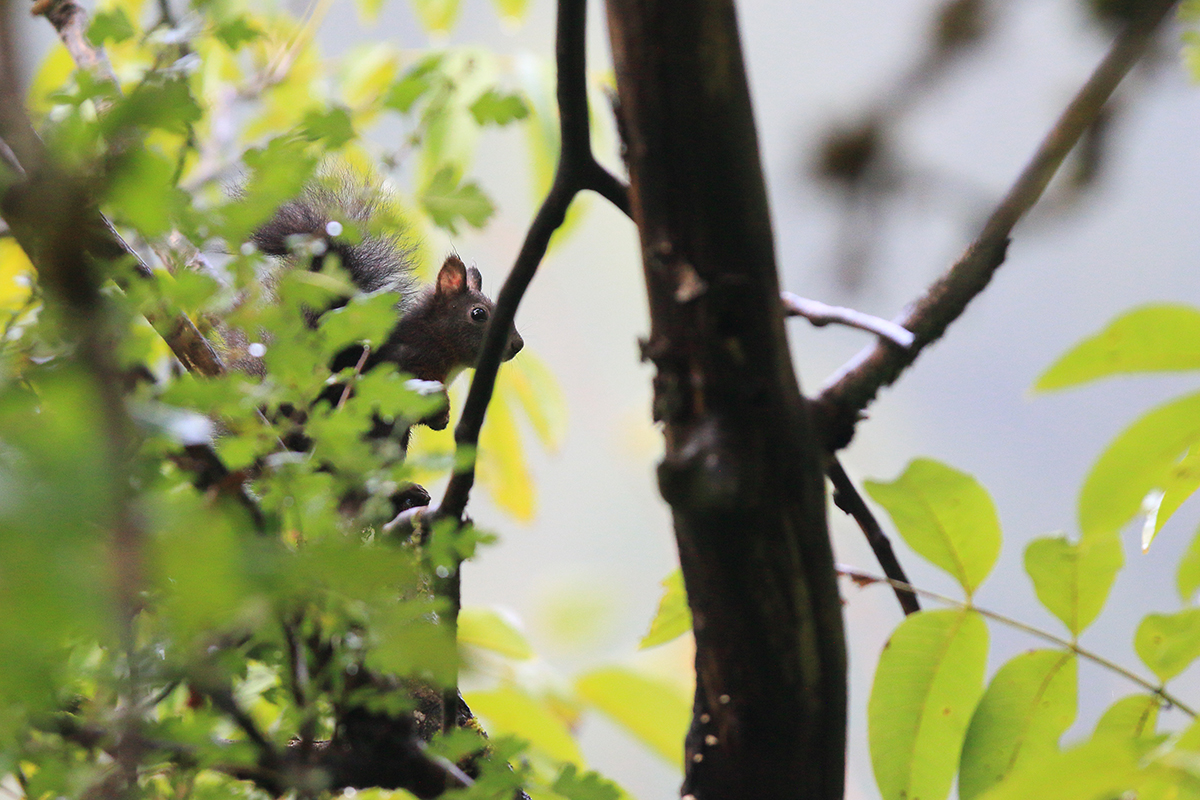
x=887, y=130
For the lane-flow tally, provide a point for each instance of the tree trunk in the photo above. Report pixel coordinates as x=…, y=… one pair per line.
x=742, y=470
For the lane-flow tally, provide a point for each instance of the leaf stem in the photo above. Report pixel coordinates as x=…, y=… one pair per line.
x=865, y=577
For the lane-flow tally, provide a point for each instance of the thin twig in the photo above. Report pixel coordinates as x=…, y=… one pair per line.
x=820, y=314
x=847, y=498
x=70, y=21
x=576, y=171
x=859, y=576
x=222, y=699
x=358, y=368
x=849, y=391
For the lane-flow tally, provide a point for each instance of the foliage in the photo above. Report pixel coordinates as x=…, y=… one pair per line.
x=931, y=717
x=274, y=624
x=269, y=622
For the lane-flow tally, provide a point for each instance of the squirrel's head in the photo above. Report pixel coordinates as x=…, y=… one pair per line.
x=442, y=331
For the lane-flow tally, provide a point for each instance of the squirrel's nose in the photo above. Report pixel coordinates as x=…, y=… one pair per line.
x=515, y=343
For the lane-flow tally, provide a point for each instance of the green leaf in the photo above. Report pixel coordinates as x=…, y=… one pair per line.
x=1168, y=643
x=447, y=202
x=1150, y=455
x=110, y=26
x=510, y=710
x=437, y=16
x=368, y=10
x=1132, y=717
x=946, y=516
x=166, y=105
x=198, y=567
x=1103, y=768
x=142, y=191
x=498, y=109
x=929, y=678
x=406, y=641
x=1187, y=579
x=235, y=32
x=1154, y=338
x=1160, y=504
x=674, y=618
x=1027, y=707
x=413, y=84
x=366, y=318
x=588, y=786
x=488, y=629
x=1073, y=580
x=331, y=126
x=653, y=710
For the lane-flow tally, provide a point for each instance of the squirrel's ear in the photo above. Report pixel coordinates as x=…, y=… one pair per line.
x=474, y=280
x=453, y=276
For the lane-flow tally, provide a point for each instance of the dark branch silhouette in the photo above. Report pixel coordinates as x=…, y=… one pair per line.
x=848, y=393
x=577, y=171
x=847, y=498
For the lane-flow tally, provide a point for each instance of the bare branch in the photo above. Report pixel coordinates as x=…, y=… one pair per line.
x=847, y=498
x=577, y=171
x=70, y=21
x=848, y=392
x=820, y=314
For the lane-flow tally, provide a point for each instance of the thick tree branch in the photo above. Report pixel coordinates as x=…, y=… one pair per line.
x=742, y=466
x=847, y=393
x=72, y=278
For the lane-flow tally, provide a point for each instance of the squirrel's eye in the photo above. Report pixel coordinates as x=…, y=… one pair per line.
x=479, y=314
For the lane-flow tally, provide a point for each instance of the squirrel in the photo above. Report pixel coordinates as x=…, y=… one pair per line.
x=440, y=328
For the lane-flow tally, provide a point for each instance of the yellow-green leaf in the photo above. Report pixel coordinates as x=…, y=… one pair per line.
x=1102, y=768
x=502, y=468
x=367, y=73
x=437, y=16
x=946, y=516
x=16, y=275
x=512, y=711
x=1026, y=709
x=530, y=382
x=1169, y=643
x=368, y=10
x=1132, y=717
x=1073, y=580
x=653, y=710
x=488, y=629
x=929, y=678
x=1149, y=455
x=1187, y=579
x=1155, y=338
x=674, y=618
x=512, y=11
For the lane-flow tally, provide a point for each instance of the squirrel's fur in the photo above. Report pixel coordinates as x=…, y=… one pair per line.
x=440, y=328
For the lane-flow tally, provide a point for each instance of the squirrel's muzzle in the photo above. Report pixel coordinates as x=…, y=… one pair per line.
x=515, y=343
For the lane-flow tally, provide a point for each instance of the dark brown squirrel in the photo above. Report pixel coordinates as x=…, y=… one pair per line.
x=441, y=327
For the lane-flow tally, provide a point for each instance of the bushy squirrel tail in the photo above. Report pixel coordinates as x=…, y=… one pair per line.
x=340, y=216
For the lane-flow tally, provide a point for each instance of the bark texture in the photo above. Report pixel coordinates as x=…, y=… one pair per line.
x=742, y=470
